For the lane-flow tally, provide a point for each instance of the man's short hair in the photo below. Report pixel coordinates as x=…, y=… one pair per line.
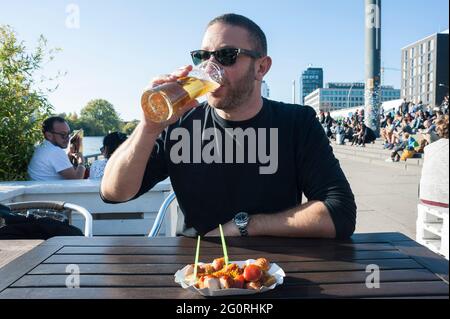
x=256, y=34
x=47, y=126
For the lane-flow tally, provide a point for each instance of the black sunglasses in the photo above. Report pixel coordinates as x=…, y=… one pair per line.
x=64, y=135
x=226, y=56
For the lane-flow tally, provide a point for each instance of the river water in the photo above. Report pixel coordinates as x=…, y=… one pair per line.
x=92, y=144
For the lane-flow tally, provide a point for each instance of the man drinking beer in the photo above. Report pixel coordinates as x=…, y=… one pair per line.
x=238, y=159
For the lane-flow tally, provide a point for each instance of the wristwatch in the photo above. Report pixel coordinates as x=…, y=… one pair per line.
x=241, y=220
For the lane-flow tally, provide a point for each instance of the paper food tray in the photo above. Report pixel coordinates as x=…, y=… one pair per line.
x=274, y=270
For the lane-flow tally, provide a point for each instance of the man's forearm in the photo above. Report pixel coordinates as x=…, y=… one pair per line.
x=80, y=171
x=310, y=220
x=126, y=168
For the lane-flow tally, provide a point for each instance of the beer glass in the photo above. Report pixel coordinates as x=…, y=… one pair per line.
x=163, y=101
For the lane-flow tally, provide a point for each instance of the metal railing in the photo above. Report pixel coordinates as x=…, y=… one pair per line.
x=93, y=157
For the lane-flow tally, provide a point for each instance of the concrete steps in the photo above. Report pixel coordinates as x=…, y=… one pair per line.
x=375, y=154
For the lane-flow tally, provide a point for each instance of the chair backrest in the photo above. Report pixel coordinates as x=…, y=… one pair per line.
x=161, y=215
x=56, y=206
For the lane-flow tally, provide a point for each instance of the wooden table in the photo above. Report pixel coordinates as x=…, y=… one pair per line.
x=124, y=267
x=11, y=249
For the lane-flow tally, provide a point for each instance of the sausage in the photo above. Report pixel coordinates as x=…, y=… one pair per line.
x=269, y=281
x=189, y=270
x=212, y=283
x=262, y=263
x=207, y=269
x=218, y=263
x=226, y=282
x=255, y=285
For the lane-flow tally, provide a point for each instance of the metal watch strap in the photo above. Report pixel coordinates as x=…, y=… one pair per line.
x=243, y=231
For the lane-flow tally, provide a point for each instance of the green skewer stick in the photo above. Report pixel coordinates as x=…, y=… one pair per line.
x=197, y=253
x=224, y=245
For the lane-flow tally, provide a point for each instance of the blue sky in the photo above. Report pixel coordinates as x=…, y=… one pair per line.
x=121, y=45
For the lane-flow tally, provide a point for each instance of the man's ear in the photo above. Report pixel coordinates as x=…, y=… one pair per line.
x=47, y=136
x=263, y=67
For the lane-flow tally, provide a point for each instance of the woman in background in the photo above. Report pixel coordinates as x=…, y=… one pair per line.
x=110, y=143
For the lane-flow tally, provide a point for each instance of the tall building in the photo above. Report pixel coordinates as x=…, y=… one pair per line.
x=265, y=91
x=337, y=96
x=425, y=70
x=312, y=79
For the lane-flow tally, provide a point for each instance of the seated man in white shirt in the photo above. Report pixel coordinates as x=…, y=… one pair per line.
x=50, y=161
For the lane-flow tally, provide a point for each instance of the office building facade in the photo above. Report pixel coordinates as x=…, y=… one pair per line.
x=425, y=70
x=311, y=80
x=337, y=96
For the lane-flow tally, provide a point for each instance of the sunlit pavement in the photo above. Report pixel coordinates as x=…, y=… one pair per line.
x=386, y=197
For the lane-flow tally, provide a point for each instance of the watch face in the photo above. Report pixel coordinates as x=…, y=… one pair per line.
x=241, y=219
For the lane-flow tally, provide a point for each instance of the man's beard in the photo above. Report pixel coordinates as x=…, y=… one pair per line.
x=239, y=93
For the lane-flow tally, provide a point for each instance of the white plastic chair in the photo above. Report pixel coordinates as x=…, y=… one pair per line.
x=161, y=215
x=55, y=206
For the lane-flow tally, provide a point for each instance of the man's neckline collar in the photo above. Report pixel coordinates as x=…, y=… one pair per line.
x=245, y=123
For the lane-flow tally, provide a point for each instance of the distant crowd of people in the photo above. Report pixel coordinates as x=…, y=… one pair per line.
x=410, y=129
x=405, y=130
x=350, y=128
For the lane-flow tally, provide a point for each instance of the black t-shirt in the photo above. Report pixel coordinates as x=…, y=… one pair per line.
x=276, y=156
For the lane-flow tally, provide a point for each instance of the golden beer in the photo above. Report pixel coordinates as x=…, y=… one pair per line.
x=162, y=102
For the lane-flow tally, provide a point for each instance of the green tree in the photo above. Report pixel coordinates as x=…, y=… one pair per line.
x=99, y=118
x=73, y=120
x=23, y=106
x=129, y=127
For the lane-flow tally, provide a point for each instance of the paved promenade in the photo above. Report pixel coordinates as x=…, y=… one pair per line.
x=386, y=197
